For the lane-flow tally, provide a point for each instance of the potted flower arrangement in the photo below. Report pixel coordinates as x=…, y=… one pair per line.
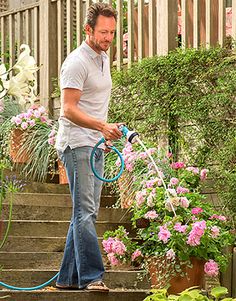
x=182, y=234
x=37, y=139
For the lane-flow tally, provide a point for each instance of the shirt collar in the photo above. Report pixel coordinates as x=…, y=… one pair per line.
x=92, y=52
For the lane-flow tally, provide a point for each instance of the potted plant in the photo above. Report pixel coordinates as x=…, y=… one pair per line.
x=183, y=233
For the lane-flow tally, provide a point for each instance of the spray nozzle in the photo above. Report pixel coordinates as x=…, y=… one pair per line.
x=130, y=135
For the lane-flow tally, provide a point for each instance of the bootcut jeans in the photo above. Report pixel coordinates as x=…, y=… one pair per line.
x=82, y=260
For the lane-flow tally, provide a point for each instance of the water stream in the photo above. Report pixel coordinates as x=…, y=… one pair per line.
x=158, y=172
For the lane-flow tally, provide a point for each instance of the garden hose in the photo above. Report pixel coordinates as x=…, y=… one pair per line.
x=33, y=288
x=131, y=137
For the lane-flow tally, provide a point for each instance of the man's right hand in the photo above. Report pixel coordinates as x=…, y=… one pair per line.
x=111, y=131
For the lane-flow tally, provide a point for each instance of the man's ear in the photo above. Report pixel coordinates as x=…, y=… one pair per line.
x=88, y=29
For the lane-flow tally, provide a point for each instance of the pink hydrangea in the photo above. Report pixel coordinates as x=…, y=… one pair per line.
x=196, y=210
x=184, y=202
x=164, y=234
x=177, y=165
x=211, y=268
x=180, y=228
x=203, y=174
x=170, y=254
x=136, y=254
x=182, y=190
x=51, y=140
x=113, y=260
x=151, y=214
x=215, y=231
x=174, y=181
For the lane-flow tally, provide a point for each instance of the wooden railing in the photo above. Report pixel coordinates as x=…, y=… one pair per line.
x=52, y=28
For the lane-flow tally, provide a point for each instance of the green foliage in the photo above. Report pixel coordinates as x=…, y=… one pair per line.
x=188, y=95
x=191, y=294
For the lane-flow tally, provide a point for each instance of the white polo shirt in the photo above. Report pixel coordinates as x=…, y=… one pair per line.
x=88, y=71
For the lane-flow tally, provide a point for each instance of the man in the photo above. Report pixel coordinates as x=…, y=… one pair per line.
x=85, y=91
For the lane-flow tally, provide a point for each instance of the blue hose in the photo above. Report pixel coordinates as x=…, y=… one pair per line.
x=102, y=140
x=34, y=288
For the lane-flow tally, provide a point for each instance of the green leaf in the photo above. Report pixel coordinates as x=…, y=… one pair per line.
x=219, y=291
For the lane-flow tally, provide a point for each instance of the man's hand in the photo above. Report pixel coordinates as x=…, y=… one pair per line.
x=110, y=131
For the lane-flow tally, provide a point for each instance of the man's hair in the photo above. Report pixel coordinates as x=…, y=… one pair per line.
x=99, y=9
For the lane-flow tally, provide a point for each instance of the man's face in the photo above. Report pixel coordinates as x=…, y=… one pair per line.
x=101, y=37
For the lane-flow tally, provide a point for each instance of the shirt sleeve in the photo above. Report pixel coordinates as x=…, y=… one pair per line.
x=73, y=75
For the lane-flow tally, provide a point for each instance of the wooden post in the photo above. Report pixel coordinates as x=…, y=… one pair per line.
x=196, y=23
x=48, y=53
x=140, y=29
x=152, y=27
x=187, y=23
x=234, y=274
x=221, y=26
x=234, y=21
x=167, y=26
x=119, y=34
x=130, y=32
x=211, y=22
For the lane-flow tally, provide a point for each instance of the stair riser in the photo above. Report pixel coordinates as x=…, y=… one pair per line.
x=53, y=229
x=62, y=200
x=25, y=212
x=74, y=296
x=114, y=279
x=41, y=244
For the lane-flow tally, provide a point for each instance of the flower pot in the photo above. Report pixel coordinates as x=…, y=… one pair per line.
x=193, y=276
x=62, y=173
x=17, y=140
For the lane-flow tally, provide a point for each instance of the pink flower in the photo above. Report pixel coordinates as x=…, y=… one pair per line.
x=136, y=254
x=17, y=120
x=184, y=202
x=168, y=155
x=24, y=125
x=194, y=170
x=118, y=162
x=140, y=198
x=170, y=254
x=118, y=247
x=107, y=244
x=178, y=227
x=177, y=165
x=37, y=113
x=215, y=231
x=197, y=210
x=181, y=190
x=196, y=233
x=174, y=181
x=52, y=133
x=42, y=109
x=151, y=151
x=113, y=260
x=31, y=122
x=51, y=141
x=203, y=174
x=142, y=155
x=43, y=119
x=220, y=217
x=150, y=183
x=151, y=214
x=211, y=268
x=164, y=234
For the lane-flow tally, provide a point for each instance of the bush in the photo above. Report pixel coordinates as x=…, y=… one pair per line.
x=188, y=95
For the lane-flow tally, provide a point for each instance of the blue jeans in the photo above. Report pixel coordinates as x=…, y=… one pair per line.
x=82, y=261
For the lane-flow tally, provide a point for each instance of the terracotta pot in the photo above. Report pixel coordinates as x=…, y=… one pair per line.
x=16, y=142
x=193, y=276
x=62, y=173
